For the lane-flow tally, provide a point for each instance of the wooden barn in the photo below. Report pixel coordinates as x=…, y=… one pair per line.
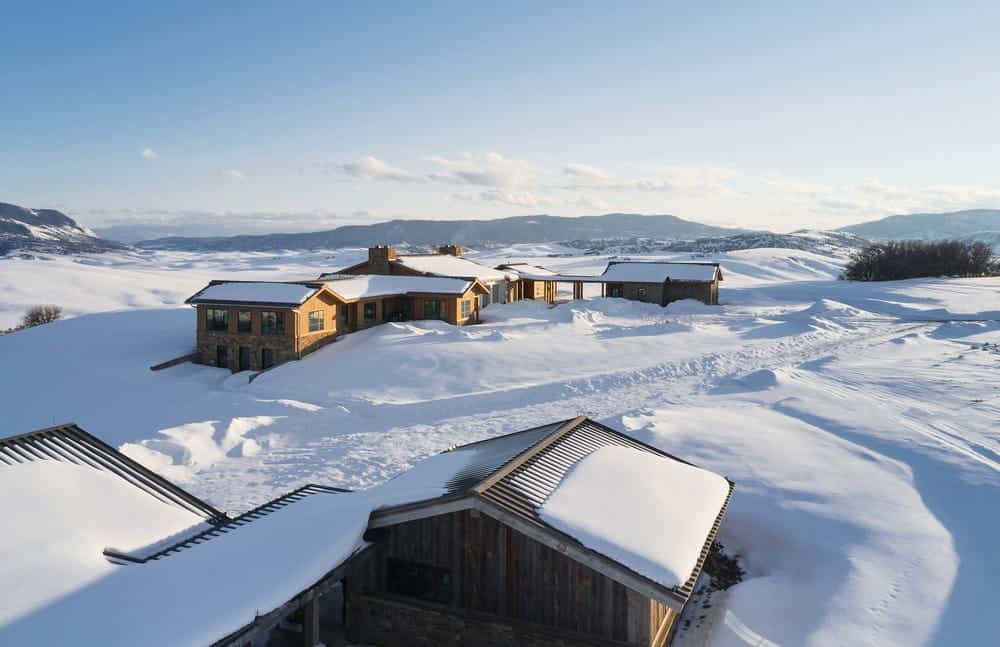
x=662, y=283
x=494, y=560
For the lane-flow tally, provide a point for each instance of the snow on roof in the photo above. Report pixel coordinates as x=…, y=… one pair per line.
x=647, y=272
x=528, y=269
x=255, y=292
x=448, y=265
x=647, y=512
x=365, y=286
x=61, y=516
x=248, y=571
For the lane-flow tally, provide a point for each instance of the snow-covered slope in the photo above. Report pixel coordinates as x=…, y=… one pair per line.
x=47, y=231
x=857, y=420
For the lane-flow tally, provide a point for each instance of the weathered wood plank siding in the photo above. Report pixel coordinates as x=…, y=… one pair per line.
x=500, y=572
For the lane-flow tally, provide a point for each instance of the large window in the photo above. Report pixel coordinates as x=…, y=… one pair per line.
x=370, y=310
x=217, y=320
x=641, y=293
x=615, y=291
x=466, y=308
x=432, y=309
x=266, y=358
x=345, y=316
x=272, y=323
x=421, y=581
x=243, y=321
x=316, y=320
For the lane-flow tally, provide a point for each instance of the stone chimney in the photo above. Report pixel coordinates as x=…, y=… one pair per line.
x=450, y=250
x=380, y=259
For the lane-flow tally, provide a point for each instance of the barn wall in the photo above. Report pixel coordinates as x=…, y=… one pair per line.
x=704, y=292
x=493, y=571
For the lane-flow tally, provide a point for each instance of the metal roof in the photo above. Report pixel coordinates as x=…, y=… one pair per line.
x=225, y=526
x=517, y=472
x=70, y=444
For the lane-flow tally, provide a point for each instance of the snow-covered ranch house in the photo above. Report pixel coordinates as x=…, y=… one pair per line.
x=254, y=325
x=447, y=262
x=662, y=283
x=564, y=535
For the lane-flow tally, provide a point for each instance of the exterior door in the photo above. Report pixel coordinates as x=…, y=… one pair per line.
x=222, y=356
x=244, y=358
x=266, y=358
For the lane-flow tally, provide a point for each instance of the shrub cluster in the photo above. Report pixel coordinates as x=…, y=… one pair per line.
x=895, y=260
x=36, y=316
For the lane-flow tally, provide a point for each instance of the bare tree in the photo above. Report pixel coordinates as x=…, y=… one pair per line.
x=38, y=315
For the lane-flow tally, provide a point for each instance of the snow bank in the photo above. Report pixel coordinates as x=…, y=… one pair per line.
x=653, y=516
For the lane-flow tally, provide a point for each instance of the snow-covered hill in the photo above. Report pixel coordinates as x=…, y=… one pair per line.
x=857, y=420
x=47, y=231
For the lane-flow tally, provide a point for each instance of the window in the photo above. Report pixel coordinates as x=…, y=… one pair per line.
x=466, y=309
x=217, y=320
x=266, y=358
x=370, y=309
x=432, y=309
x=316, y=320
x=272, y=323
x=345, y=316
x=641, y=293
x=421, y=581
x=615, y=291
x=243, y=321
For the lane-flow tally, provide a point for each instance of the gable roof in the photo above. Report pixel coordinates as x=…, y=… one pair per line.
x=107, y=535
x=511, y=477
x=271, y=293
x=657, y=272
x=351, y=287
x=68, y=443
x=448, y=265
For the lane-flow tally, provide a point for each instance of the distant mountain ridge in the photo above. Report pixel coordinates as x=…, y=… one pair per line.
x=502, y=231
x=971, y=224
x=825, y=243
x=47, y=231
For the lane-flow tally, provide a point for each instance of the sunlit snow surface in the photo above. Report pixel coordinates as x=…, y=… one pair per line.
x=859, y=421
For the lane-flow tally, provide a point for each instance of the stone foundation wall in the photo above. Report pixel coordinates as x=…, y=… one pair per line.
x=282, y=345
x=392, y=623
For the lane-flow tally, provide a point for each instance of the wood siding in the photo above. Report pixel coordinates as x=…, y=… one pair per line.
x=500, y=572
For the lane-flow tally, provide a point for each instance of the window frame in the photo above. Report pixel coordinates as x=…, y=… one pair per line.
x=239, y=321
x=212, y=321
x=437, y=306
x=374, y=311
x=641, y=293
x=466, y=308
x=317, y=323
x=279, y=320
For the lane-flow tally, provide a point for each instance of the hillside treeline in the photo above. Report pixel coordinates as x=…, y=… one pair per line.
x=895, y=260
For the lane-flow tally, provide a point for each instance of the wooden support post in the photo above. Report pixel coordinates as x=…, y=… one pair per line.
x=310, y=622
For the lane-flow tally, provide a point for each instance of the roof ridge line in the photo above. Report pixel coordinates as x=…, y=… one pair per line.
x=528, y=453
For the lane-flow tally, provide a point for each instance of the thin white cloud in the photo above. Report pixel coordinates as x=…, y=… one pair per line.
x=149, y=154
x=587, y=172
x=515, y=198
x=234, y=173
x=375, y=169
x=489, y=169
x=689, y=180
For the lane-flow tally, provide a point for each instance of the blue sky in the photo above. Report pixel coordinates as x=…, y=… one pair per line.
x=288, y=116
